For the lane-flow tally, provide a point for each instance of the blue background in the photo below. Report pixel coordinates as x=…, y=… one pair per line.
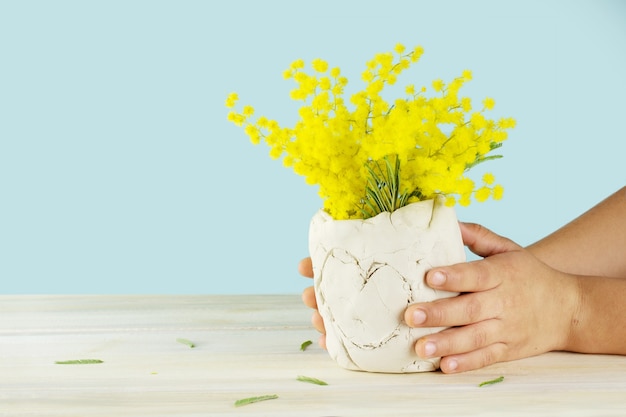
x=120, y=174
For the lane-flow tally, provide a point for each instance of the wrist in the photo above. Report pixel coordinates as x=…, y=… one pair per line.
x=574, y=307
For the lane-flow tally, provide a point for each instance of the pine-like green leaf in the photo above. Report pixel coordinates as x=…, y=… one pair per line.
x=79, y=362
x=491, y=382
x=186, y=342
x=311, y=380
x=250, y=400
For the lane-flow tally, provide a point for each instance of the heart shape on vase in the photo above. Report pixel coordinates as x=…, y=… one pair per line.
x=380, y=288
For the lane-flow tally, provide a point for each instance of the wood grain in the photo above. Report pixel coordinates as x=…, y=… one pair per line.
x=250, y=346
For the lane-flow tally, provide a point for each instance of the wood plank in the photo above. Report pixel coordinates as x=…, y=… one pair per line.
x=248, y=346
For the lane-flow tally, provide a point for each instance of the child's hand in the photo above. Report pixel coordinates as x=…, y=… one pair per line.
x=308, y=296
x=512, y=306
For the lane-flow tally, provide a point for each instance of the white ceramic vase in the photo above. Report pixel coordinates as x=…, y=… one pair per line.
x=366, y=272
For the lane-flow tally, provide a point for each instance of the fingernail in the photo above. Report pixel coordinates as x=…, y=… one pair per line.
x=430, y=348
x=419, y=316
x=452, y=365
x=437, y=278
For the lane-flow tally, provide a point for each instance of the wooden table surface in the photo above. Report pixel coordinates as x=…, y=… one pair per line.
x=250, y=346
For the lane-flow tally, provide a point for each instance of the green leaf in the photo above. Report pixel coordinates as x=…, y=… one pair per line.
x=311, y=380
x=250, y=400
x=481, y=160
x=382, y=191
x=79, y=362
x=305, y=345
x=491, y=382
x=186, y=342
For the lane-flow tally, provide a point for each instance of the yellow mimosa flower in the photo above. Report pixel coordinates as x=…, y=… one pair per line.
x=405, y=150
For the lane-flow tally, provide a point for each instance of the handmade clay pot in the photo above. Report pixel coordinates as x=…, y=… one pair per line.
x=366, y=272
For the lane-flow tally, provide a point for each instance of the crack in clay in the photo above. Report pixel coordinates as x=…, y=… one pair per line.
x=372, y=346
x=371, y=273
x=337, y=328
x=432, y=215
x=372, y=270
x=418, y=366
x=328, y=312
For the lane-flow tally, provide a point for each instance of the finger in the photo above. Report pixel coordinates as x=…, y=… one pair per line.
x=322, y=341
x=305, y=268
x=458, y=340
x=318, y=322
x=308, y=297
x=483, y=242
x=473, y=276
x=456, y=311
x=474, y=360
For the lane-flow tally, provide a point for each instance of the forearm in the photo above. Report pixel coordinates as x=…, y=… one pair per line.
x=593, y=244
x=598, y=325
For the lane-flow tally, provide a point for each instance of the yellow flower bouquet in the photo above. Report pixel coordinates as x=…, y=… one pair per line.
x=380, y=155
x=389, y=174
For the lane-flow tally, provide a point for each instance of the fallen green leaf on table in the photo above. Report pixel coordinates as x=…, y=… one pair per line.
x=311, y=380
x=305, y=345
x=491, y=382
x=79, y=362
x=250, y=400
x=186, y=342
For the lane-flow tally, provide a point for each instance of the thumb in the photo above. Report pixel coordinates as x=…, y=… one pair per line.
x=483, y=242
